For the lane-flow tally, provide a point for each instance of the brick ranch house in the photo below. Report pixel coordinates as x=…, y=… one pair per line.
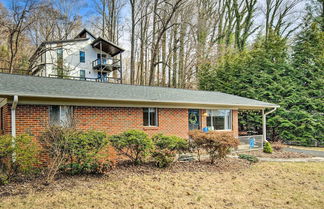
x=29, y=104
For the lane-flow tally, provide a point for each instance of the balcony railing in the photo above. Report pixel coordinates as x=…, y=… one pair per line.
x=106, y=64
x=104, y=79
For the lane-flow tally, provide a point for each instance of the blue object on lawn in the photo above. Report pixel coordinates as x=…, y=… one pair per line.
x=205, y=129
x=251, y=142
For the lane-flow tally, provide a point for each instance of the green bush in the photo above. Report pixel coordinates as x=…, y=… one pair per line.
x=250, y=158
x=83, y=150
x=20, y=157
x=267, y=148
x=172, y=143
x=134, y=144
x=75, y=152
x=163, y=158
x=166, y=148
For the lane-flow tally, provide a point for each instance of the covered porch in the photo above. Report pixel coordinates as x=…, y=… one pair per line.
x=254, y=139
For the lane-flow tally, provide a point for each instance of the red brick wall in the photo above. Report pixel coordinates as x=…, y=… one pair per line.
x=114, y=120
x=6, y=121
x=3, y=113
x=33, y=120
x=30, y=119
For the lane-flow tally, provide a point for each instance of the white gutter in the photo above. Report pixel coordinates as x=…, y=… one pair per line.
x=13, y=124
x=264, y=123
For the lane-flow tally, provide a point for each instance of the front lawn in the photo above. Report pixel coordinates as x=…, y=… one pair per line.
x=262, y=185
x=308, y=148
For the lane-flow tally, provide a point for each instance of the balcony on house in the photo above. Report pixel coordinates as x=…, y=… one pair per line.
x=103, y=63
x=106, y=64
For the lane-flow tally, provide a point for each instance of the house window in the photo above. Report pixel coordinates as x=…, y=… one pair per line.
x=60, y=115
x=150, y=117
x=219, y=119
x=59, y=54
x=82, y=75
x=82, y=56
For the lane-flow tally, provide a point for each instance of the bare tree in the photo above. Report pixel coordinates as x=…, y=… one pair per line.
x=165, y=25
x=16, y=22
x=278, y=17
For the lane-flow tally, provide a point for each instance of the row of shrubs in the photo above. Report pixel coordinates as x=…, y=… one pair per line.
x=79, y=152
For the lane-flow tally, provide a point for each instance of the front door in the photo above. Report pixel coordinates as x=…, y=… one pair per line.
x=193, y=118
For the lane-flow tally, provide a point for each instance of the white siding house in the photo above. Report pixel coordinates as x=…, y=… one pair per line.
x=85, y=57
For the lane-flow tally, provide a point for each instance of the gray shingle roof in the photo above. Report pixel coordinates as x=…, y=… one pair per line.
x=60, y=88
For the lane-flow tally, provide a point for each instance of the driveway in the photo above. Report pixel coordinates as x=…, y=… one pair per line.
x=309, y=152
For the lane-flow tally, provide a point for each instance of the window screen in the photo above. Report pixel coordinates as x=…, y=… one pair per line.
x=150, y=117
x=219, y=119
x=60, y=115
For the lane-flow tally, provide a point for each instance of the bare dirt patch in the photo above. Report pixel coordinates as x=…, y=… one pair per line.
x=277, y=154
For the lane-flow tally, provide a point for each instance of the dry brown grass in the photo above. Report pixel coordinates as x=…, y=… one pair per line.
x=265, y=185
x=277, y=154
x=308, y=148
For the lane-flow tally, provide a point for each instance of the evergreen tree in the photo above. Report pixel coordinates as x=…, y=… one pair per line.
x=308, y=62
x=268, y=73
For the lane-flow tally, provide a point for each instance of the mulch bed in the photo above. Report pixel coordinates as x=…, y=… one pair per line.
x=123, y=170
x=277, y=154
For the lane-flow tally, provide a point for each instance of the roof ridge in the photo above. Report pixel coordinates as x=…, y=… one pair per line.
x=116, y=84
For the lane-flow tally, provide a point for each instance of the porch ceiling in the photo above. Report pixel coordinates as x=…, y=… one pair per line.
x=107, y=46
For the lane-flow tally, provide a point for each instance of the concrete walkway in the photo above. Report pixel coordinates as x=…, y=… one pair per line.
x=309, y=152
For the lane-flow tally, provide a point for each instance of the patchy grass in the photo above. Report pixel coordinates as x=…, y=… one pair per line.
x=308, y=148
x=277, y=154
x=264, y=185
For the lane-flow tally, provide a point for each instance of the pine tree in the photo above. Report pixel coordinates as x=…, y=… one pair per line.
x=268, y=73
x=308, y=62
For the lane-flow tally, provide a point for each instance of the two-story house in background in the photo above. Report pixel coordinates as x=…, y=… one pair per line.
x=86, y=57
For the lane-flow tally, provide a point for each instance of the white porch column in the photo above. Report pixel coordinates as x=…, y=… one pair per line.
x=264, y=124
x=264, y=128
x=13, y=124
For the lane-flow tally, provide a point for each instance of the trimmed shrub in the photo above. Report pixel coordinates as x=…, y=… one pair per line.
x=163, y=158
x=74, y=152
x=166, y=148
x=278, y=146
x=250, y=158
x=172, y=143
x=267, y=148
x=18, y=159
x=83, y=151
x=217, y=144
x=134, y=144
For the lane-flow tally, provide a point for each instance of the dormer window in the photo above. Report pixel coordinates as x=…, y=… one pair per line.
x=82, y=56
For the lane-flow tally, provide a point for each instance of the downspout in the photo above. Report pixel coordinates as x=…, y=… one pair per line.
x=264, y=122
x=13, y=124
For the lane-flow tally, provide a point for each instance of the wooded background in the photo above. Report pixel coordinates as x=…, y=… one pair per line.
x=271, y=50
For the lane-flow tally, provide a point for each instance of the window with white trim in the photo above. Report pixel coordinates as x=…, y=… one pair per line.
x=150, y=117
x=219, y=119
x=60, y=115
